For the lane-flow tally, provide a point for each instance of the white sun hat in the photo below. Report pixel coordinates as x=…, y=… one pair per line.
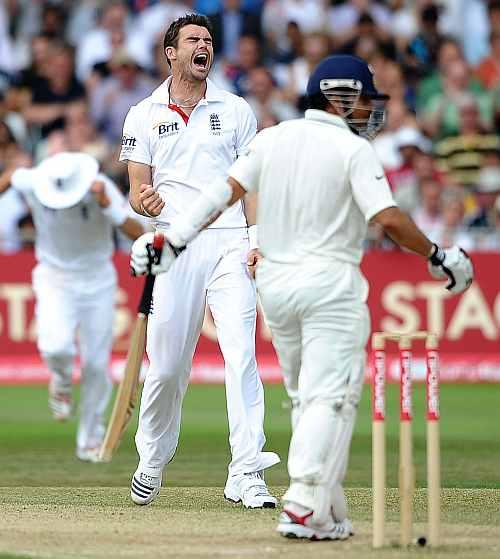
x=60, y=181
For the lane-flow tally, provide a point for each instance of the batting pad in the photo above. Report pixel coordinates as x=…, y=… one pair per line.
x=317, y=464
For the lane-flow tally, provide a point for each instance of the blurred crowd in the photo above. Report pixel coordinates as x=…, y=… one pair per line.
x=70, y=70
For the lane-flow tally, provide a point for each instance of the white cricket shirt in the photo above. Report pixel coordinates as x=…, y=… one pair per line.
x=318, y=185
x=75, y=239
x=187, y=155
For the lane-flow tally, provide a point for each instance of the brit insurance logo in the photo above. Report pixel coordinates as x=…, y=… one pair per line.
x=215, y=124
x=166, y=129
x=128, y=144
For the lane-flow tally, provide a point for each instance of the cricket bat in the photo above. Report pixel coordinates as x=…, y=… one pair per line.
x=126, y=397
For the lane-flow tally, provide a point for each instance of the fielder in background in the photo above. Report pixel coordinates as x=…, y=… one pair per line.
x=188, y=133
x=75, y=209
x=318, y=182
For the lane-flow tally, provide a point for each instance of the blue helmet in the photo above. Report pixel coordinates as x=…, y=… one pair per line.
x=343, y=79
x=344, y=67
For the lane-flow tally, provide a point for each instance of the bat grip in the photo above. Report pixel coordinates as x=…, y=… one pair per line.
x=147, y=292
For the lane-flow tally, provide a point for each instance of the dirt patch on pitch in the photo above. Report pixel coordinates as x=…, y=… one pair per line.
x=189, y=523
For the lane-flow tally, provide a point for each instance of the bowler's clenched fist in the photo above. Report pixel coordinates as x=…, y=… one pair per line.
x=151, y=202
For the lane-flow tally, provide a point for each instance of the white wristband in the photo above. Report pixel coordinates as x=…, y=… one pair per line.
x=116, y=214
x=252, y=237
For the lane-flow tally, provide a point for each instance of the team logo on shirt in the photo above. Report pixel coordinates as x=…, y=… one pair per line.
x=215, y=124
x=166, y=129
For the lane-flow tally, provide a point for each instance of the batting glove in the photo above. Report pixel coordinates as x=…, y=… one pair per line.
x=144, y=259
x=452, y=263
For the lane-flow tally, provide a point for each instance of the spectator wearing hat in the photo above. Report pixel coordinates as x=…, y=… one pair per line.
x=74, y=210
x=52, y=94
x=487, y=194
x=112, y=98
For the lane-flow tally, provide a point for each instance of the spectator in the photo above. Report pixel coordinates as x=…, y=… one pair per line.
x=248, y=58
x=423, y=50
x=365, y=30
x=487, y=192
x=386, y=143
x=453, y=228
x=266, y=100
x=113, y=32
x=428, y=216
x=229, y=24
x=449, y=51
x=441, y=117
x=111, y=100
x=488, y=72
x=410, y=142
x=463, y=155
x=150, y=25
x=52, y=94
x=309, y=15
x=316, y=47
x=343, y=19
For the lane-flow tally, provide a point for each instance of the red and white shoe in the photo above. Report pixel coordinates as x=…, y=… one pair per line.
x=296, y=522
x=60, y=403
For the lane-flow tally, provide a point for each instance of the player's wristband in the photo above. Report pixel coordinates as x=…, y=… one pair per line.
x=436, y=256
x=116, y=214
x=252, y=237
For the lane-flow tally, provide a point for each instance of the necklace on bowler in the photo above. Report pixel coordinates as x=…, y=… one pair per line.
x=184, y=104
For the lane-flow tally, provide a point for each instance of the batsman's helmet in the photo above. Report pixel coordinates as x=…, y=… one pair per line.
x=343, y=79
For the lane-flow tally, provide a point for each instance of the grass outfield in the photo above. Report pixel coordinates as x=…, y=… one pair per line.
x=52, y=505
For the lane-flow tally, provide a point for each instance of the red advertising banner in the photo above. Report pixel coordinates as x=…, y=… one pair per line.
x=403, y=297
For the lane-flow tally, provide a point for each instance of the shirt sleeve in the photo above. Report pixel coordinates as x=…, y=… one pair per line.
x=247, y=168
x=22, y=180
x=369, y=184
x=246, y=128
x=135, y=141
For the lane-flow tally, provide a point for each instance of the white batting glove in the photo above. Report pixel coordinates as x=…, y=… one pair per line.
x=144, y=260
x=452, y=263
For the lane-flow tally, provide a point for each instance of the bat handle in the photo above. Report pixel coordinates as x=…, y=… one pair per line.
x=147, y=292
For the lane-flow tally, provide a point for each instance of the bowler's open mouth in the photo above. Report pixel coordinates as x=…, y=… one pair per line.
x=200, y=60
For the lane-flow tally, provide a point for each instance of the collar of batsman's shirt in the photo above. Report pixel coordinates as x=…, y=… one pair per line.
x=161, y=93
x=328, y=118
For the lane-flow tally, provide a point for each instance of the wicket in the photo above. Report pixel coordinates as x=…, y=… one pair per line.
x=406, y=466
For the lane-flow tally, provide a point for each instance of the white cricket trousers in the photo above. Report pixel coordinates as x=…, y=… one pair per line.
x=211, y=270
x=67, y=303
x=320, y=325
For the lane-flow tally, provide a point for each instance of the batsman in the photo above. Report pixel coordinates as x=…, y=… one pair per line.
x=318, y=183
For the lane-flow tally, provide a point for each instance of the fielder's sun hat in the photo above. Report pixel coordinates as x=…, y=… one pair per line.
x=60, y=181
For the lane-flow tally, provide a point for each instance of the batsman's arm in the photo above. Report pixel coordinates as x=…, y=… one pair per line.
x=403, y=231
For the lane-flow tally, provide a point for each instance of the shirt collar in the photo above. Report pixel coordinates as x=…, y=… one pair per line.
x=328, y=118
x=160, y=94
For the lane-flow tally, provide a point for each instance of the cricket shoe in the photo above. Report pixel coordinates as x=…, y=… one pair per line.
x=145, y=486
x=296, y=522
x=88, y=454
x=251, y=490
x=60, y=403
